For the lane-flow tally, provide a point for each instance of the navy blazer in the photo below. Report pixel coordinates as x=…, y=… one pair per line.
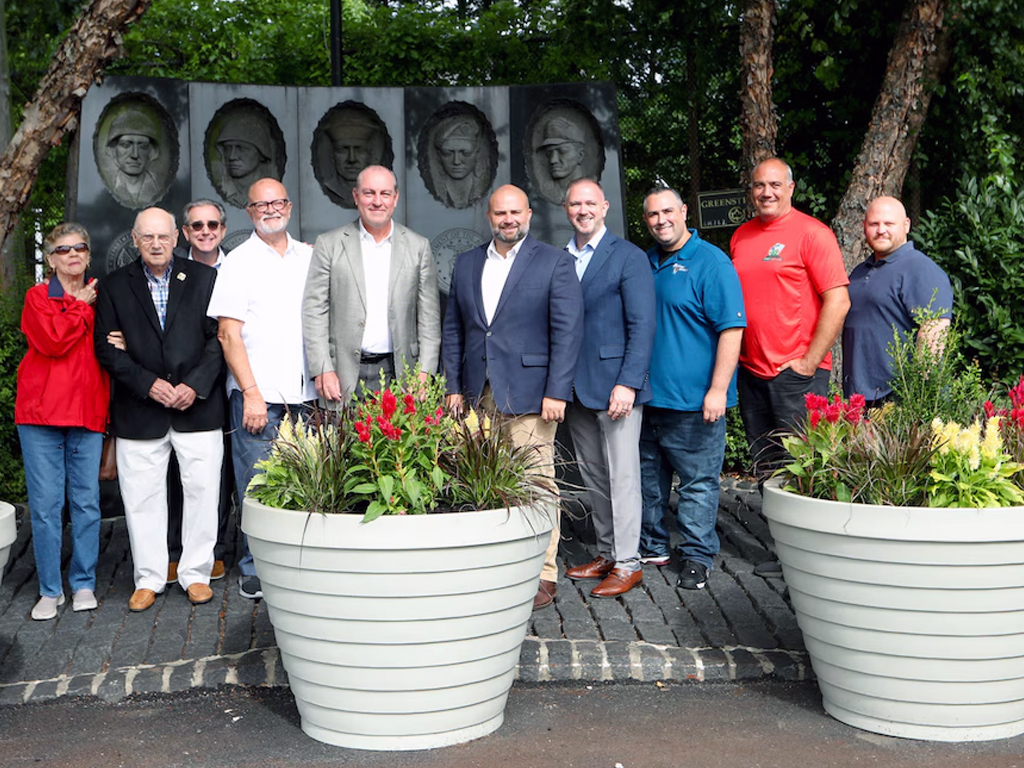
x=184, y=350
x=529, y=349
x=618, y=323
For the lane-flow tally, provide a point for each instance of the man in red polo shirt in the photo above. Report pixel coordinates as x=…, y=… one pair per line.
x=794, y=286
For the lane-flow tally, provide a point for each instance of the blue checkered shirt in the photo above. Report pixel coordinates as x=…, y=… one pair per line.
x=159, y=289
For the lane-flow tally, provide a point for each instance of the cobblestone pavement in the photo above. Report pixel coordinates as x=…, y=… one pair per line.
x=741, y=627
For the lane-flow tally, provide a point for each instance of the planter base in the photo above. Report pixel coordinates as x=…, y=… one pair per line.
x=8, y=533
x=402, y=633
x=913, y=618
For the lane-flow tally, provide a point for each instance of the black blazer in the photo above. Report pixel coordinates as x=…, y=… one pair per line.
x=185, y=350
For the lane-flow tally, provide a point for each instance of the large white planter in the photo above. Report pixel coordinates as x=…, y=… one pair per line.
x=402, y=633
x=8, y=533
x=913, y=617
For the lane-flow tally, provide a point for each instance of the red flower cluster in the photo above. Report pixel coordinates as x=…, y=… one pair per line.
x=834, y=411
x=1016, y=413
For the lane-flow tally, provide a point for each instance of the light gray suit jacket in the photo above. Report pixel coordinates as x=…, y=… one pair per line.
x=334, y=305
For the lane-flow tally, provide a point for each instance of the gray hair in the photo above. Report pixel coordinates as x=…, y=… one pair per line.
x=200, y=202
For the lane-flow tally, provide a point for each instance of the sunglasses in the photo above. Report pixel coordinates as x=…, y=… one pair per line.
x=66, y=249
x=197, y=226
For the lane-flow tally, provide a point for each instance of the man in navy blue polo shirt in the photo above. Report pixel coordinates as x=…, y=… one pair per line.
x=700, y=322
x=885, y=291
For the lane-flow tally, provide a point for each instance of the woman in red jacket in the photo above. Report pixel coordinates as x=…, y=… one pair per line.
x=61, y=413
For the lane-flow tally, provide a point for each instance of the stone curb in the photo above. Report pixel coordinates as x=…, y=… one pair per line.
x=540, y=661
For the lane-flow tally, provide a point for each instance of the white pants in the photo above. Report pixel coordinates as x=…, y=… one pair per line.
x=142, y=474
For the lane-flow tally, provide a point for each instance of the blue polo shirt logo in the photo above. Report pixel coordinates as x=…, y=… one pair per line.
x=775, y=253
x=678, y=268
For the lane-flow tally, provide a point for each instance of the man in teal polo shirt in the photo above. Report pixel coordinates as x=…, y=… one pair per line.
x=700, y=322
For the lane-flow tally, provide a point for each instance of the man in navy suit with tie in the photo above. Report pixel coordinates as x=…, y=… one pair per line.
x=512, y=332
x=611, y=386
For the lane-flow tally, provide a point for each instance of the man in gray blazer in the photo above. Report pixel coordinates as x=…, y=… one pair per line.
x=371, y=300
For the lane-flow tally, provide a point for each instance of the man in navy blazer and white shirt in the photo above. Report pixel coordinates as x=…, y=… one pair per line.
x=611, y=386
x=512, y=332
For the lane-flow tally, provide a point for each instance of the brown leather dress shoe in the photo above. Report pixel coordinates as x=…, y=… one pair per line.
x=141, y=599
x=199, y=593
x=218, y=570
x=172, y=571
x=545, y=594
x=617, y=583
x=595, y=569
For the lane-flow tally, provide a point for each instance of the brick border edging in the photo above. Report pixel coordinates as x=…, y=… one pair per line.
x=540, y=661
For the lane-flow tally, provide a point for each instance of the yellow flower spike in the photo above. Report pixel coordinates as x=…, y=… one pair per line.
x=486, y=431
x=993, y=445
x=472, y=421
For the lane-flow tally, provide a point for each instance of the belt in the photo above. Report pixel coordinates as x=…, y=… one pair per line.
x=369, y=358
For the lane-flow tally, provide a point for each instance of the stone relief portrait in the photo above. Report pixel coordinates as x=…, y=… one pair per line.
x=563, y=143
x=243, y=144
x=135, y=146
x=458, y=155
x=349, y=137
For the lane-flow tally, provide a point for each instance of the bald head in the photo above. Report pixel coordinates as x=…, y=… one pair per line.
x=269, y=208
x=886, y=225
x=509, y=214
x=155, y=234
x=772, y=187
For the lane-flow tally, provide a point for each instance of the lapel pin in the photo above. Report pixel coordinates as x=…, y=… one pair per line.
x=181, y=276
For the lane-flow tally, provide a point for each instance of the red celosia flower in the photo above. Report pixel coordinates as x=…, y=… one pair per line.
x=388, y=404
x=814, y=401
x=858, y=401
x=833, y=413
x=990, y=410
x=815, y=418
x=410, y=404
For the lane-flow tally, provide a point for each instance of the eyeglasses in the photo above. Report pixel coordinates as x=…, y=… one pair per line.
x=262, y=206
x=197, y=226
x=149, y=238
x=66, y=249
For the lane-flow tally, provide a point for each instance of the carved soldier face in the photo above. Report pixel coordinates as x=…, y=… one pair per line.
x=458, y=156
x=564, y=159
x=133, y=153
x=354, y=149
x=240, y=157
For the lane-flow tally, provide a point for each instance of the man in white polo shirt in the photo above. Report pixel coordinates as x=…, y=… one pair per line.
x=258, y=304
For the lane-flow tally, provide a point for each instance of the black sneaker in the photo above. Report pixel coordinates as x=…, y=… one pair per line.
x=249, y=586
x=693, y=576
x=769, y=569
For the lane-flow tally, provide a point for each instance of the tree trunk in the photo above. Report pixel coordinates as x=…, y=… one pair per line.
x=919, y=55
x=93, y=41
x=758, y=121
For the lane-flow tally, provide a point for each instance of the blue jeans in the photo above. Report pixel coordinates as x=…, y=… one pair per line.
x=683, y=442
x=248, y=449
x=59, y=459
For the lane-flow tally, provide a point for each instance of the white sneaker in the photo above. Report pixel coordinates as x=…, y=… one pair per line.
x=83, y=600
x=46, y=608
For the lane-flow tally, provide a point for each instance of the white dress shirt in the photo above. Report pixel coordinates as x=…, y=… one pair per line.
x=582, y=256
x=377, y=273
x=264, y=290
x=496, y=270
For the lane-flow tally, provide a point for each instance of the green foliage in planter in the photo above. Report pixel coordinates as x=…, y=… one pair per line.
x=912, y=451
x=978, y=238
x=394, y=452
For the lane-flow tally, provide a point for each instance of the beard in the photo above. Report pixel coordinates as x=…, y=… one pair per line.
x=521, y=232
x=271, y=225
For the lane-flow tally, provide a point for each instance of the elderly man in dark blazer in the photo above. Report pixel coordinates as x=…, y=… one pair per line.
x=371, y=299
x=512, y=332
x=166, y=373
x=611, y=386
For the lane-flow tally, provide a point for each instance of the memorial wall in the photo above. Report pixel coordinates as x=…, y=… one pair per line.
x=164, y=142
